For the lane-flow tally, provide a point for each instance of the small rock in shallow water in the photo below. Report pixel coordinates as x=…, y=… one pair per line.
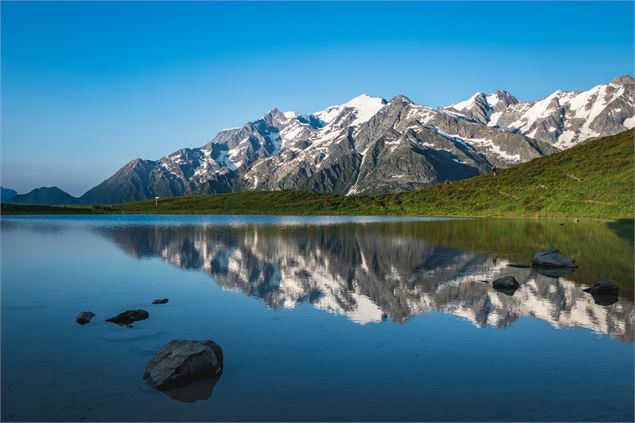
x=84, y=317
x=603, y=293
x=603, y=288
x=160, y=301
x=507, y=285
x=181, y=362
x=552, y=258
x=128, y=317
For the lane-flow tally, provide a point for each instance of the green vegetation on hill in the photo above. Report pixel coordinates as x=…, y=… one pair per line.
x=594, y=179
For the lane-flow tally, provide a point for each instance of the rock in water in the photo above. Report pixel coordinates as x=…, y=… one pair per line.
x=604, y=293
x=506, y=282
x=84, y=317
x=181, y=362
x=552, y=258
x=128, y=317
x=507, y=285
x=603, y=288
x=160, y=301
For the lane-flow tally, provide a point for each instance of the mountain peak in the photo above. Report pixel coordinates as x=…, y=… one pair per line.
x=481, y=106
x=275, y=112
x=623, y=80
x=364, y=105
x=45, y=195
x=462, y=105
x=400, y=99
x=363, y=99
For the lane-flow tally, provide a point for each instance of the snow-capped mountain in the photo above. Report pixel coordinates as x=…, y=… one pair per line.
x=563, y=119
x=369, y=145
x=480, y=107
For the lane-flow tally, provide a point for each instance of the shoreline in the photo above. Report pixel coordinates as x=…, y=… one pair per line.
x=29, y=210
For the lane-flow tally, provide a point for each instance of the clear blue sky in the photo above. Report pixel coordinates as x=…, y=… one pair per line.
x=86, y=87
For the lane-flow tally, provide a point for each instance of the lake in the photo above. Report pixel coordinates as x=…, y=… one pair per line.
x=320, y=318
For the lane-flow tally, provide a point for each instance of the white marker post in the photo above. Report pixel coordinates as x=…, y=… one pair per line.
x=156, y=201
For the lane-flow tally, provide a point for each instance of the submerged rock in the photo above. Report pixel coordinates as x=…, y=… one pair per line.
x=507, y=285
x=128, y=317
x=604, y=293
x=552, y=258
x=181, y=362
x=84, y=317
x=160, y=301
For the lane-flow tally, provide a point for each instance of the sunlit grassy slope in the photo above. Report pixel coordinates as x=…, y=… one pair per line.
x=594, y=179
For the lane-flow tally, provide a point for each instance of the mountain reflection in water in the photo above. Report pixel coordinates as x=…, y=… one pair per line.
x=375, y=271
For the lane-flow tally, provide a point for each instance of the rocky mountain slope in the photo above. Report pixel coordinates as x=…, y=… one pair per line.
x=563, y=119
x=372, y=146
x=570, y=183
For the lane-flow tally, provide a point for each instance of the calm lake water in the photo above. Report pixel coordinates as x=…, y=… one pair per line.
x=319, y=318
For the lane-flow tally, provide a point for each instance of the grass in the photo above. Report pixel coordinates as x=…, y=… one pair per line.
x=594, y=179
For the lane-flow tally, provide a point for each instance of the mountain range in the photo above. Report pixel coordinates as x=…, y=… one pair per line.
x=371, y=146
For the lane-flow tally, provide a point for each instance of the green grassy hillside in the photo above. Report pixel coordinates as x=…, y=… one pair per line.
x=594, y=179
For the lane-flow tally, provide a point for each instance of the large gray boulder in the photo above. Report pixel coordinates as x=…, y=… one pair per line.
x=181, y=362
x=552, y=258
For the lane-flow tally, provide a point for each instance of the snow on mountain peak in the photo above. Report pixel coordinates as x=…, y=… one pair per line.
x=462, y=105
x=364, y=100
x=364, y=105
x=497, y=100
x=295, y=151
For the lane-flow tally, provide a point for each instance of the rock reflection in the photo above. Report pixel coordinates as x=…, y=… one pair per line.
x=196, y=391
x=370, y=272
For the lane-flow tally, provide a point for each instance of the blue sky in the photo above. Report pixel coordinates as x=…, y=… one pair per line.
x=86, y=87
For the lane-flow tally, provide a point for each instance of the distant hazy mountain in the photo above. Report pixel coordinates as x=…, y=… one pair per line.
x=45, y=196
x=7, y=194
